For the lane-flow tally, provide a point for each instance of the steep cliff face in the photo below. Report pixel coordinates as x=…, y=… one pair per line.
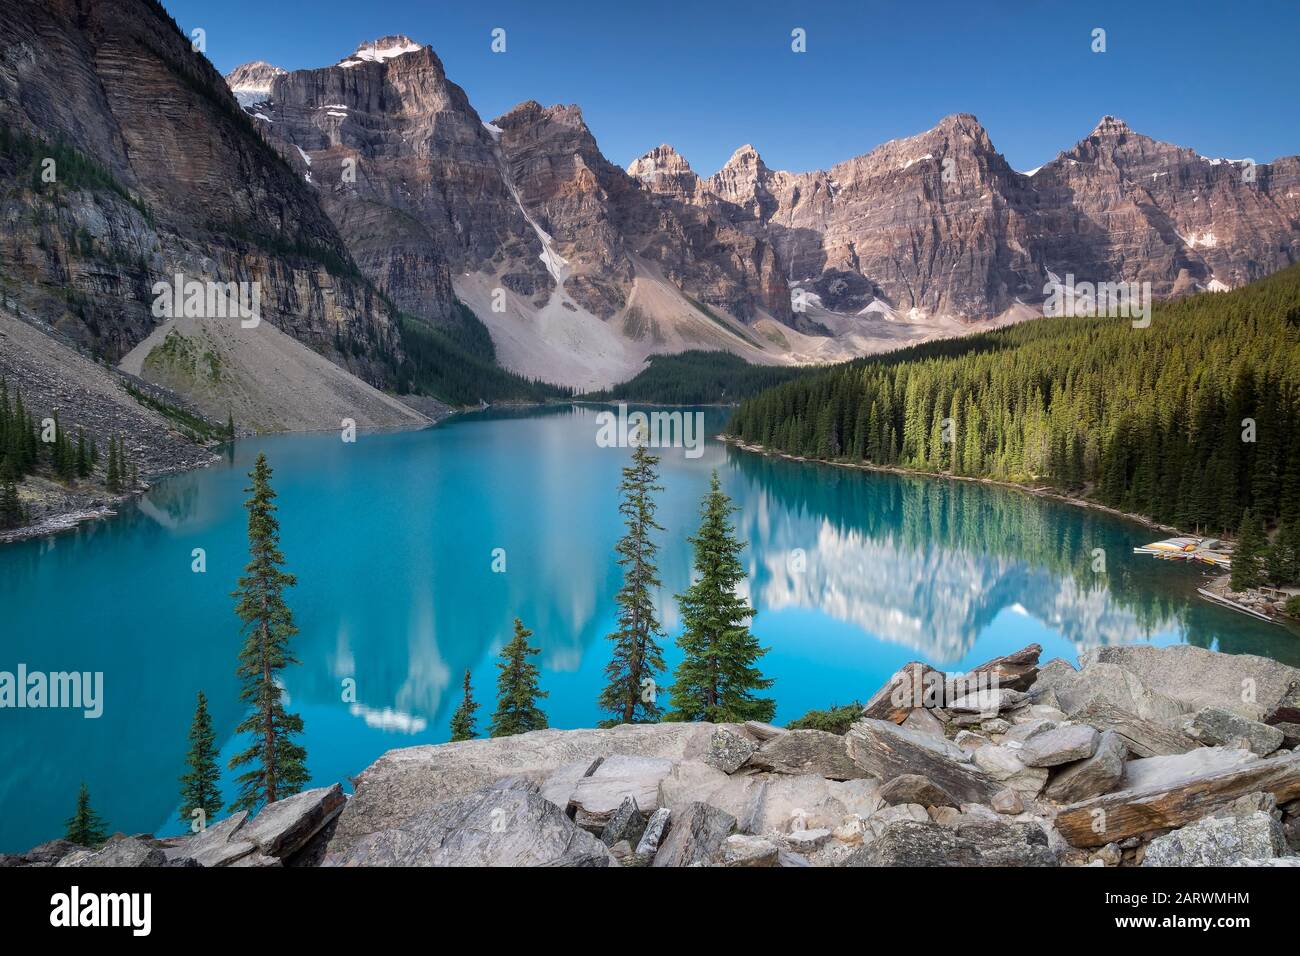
x=156, y=171
x=406, y=170
x=1120, y=205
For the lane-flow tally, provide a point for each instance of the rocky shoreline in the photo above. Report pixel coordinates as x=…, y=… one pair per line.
x=1142, y=756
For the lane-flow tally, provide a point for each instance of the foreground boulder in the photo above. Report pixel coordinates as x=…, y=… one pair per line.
x=913, y=788
x=122, y=852
x=1174, y=803
x=807, y=751
x=1258, y=688
x=411, y=780
x=912, y=843
x=1143, y=738
x=911, y=686
x=885, y=751
x=278, y=832
x=510, y=824
x=1100, y=773
x=695, y=836
x=1051, y=748
x=1226, y=840
x=729, y=749
x=1016, y=671
x=1214, y=726
x=596, y=798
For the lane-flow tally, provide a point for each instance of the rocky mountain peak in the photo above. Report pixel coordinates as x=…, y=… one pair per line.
x=662, y=160
x=746, y=157
x=251, y=82
x=1110, y=126
x=381, y=49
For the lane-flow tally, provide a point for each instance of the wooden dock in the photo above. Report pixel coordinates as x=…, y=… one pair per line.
x=1229, y=603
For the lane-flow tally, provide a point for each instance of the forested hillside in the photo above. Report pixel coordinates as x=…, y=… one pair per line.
x=698, y=378
x=1192, y=421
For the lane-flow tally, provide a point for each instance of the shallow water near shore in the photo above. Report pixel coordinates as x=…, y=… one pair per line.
x=853, y=574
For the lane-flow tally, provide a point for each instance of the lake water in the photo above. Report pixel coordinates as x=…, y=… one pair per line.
x=392, y=540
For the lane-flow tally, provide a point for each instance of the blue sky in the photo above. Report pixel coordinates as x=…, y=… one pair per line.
x=710, y=75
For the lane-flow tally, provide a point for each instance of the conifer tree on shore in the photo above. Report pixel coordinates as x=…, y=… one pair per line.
x=637, y=655
x=462, y=721
x=277, y=764
x=517, y=688
x=1248, y=555
x=113, y=470
x=716, y=678
x=85, y=827
x=199, y=784
x=12, y=512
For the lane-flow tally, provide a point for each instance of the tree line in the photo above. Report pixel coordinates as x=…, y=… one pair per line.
x=1190, y=421
x=28, y=446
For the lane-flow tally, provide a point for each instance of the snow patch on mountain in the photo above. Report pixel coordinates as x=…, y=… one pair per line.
x=380, y=50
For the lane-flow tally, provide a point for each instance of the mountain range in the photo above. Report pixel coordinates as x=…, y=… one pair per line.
x=398, y=237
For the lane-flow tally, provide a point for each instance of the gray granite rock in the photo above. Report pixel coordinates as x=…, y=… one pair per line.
x=806, y=841
x=283, y=827
x=1214, y=726
x=913, y=788
x=627, y=824
x=1007, y=801
x=1003, y=764
x=885, y=751
x=728, y=750
x=406, y=781
x=911, y=843
x=1155, y=773
x=1219, y=840
x=696, y=836
x=741, y=849
x=1200, y=678
x=989, y=701
x=1098, y=774
x=807, y=751
x=761, y=731
x=123, y=852
x=1113, y=685
x=1051, y=748
x=1025, y=729
x=655, y=830
x=596, y=798
x=489, y=827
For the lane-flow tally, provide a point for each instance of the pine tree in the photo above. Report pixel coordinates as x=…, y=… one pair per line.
x=1283, y=558
x=83, y=454
x=278, y=763
x=1248, y=555
x=462, y=721
x=200, y=783
x=85, y=827
x=517, y=690
x=230, y=425
x=716, y=678
x=112, y=472
x=12, y=513
x=637, y=655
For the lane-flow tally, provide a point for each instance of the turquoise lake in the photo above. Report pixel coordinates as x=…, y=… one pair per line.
x=392, y=540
